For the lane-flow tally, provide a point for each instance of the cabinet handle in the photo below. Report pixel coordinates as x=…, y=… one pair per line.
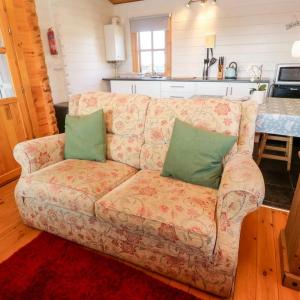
x=132, y=89
x=135, y=89
x=231, y=90
x=177, y=97
x=177, y=86
x=227, y=91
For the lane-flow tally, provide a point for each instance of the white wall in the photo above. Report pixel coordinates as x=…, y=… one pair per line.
x=248, y=32
x=78, y=25
x=55, y=64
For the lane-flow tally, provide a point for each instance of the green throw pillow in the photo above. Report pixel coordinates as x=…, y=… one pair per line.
x=86, y=137
x=195, y=155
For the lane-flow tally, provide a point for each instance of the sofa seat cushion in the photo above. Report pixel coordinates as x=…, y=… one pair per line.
x=75, y=184
x=172, y=210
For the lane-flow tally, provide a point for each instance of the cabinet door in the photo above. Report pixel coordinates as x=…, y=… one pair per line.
x=15, y=124
x=121, y=86
x=219, y=89
x=240, y=89
x=177, y=89
x=147, y=88
x=176, y=95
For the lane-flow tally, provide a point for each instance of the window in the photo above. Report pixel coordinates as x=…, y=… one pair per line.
x=6, y=85
x=152, y=51
x=151, y=45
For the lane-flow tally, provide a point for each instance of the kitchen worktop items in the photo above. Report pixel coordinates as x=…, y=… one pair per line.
x=221, y=68
x=231, y=71
x=208, y=62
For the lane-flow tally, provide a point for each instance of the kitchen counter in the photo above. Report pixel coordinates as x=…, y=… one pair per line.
x=184, y=79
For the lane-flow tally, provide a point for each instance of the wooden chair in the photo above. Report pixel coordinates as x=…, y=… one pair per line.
x=290, y=245
x=286, y=150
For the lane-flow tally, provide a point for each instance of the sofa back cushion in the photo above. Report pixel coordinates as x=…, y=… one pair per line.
x=125, y=117
x=216, y=115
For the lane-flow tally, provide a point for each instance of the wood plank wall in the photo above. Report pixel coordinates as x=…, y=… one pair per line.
x=29, y=34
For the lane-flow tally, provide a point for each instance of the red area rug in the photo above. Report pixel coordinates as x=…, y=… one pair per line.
x=53, y=268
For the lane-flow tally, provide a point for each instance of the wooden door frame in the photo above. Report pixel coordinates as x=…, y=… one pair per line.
x=22, y=123
x=27, y=102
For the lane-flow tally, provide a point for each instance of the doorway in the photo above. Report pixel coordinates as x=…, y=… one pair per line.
x=15, y=124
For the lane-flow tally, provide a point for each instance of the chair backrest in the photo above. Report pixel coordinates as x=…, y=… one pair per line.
x=232, y=118
x=125, y=117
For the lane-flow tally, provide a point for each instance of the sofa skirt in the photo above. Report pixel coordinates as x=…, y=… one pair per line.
x=165, y=258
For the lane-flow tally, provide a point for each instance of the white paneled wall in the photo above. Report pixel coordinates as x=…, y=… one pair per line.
x=55, y=64
x=79, y=29
x=80, y=26
x=248, y=32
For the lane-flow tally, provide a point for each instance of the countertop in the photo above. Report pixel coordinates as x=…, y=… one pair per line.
x=186, y=79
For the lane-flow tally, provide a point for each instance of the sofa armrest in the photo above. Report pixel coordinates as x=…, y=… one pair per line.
x=36, y=154
x=241, y=191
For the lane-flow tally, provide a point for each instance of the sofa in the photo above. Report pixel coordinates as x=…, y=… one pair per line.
x=124, y=208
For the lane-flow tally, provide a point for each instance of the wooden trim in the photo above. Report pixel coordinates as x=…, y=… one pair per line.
x=10, y=176
x=290, y=245
x=23, y=72
x=7, y=101
x=135, y=52
x=292, y=232
x=2, y=50
x=289, y=279
x=168, y=69
x=14, y=68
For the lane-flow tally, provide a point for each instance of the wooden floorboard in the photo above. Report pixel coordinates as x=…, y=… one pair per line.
x=266, y=280
x=258, y=273
x=247, y=260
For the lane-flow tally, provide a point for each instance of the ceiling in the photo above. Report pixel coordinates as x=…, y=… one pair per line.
x=122, y=1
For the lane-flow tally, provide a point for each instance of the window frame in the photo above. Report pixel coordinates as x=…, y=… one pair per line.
x=152, y=50
x=136, y=51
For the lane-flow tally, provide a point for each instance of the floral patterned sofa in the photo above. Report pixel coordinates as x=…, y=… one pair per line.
x=126, y=209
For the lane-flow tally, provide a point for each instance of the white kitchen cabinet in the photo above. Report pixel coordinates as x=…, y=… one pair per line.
x=222, y=89
x=219, y=89
x=147, y=88
x=121, y=86
x=176, y=95
x=183, y=89
x=241, y=89
x=177, y=89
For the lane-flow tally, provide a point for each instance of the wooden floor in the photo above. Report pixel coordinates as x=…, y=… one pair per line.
x=258, y=275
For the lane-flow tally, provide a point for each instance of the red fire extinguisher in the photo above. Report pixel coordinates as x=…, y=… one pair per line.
x=52, y=42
